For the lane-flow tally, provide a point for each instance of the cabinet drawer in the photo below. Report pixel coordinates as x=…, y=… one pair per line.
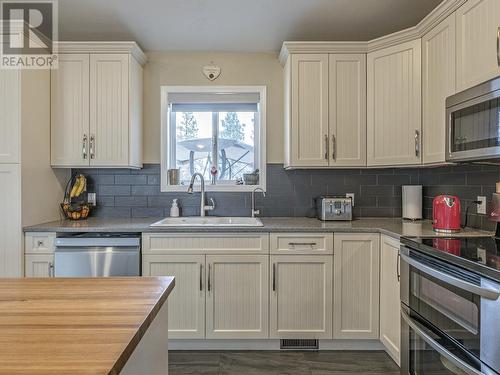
x=302, y=243
x=39, y=243
x=216, y=243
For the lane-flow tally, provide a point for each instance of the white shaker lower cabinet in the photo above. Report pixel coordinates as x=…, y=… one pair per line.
x=394, y=105
x=39, y=254
x=39, y=265
x=237, y=296
x=186, y=315
x=356, y=286
x=390, y=319
x=301, y=296
x=478, y=30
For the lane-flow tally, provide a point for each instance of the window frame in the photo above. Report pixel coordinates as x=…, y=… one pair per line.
x=166, y=133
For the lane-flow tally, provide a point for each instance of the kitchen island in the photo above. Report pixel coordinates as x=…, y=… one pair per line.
x=93, y=326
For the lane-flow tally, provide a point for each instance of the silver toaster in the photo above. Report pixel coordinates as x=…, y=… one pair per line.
x=334, y=208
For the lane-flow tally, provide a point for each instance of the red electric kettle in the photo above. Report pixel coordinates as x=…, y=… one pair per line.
x=446, y=214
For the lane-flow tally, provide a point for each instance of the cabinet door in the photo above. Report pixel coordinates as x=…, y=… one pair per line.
x=109, y=111
x=70, y=111
x=356, y=286
x=478, y=23
x=39, y=265
x=301, y=296
x=347, y=111
x=309, y=123
x=390, y=318
x=438, y=66
x=393, y=105
x=10, y=116
x=237, y=296
x=10, y=221
x=186, y=304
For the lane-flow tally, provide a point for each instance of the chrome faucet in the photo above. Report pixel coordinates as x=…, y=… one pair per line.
x=203, y=206
x=254, y=211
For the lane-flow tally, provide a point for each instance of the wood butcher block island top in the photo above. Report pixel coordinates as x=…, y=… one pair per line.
x=75, y=326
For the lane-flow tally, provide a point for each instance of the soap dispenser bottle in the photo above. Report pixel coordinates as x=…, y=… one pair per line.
x=174, y=210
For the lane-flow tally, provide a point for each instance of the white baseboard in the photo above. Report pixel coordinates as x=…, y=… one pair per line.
x=269, y=345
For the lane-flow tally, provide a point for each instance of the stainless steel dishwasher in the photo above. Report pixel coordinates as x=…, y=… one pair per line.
x=97, y=255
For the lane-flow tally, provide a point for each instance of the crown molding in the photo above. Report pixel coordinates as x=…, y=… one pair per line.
x=443, y=10
x=104, y=47
x=320, y=47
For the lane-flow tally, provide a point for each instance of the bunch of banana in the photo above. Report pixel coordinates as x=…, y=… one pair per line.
x=79, y=186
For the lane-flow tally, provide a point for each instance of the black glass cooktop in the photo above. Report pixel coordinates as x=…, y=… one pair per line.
x=479, y=254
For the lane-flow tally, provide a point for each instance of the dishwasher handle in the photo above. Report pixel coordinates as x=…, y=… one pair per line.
x=80, y=242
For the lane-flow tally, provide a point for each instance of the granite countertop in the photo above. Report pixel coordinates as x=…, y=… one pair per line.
x=392, y=227
x=76, y=326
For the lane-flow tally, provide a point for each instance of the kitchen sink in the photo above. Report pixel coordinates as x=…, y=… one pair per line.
x=210, y=221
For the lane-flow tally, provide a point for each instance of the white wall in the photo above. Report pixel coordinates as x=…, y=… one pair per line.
x=182, y=68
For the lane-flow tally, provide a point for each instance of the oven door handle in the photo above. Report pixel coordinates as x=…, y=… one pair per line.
x=421, y=332
x=488, y=293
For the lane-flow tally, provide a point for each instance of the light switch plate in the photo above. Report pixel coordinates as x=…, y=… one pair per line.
x=91, y=198
x=350, y=195
x=481, y=208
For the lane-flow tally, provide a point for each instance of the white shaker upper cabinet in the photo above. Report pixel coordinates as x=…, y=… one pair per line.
x=96, y=101
x=10, y=116
x=438, y=66
x=307, y=133
x=478, y=25
x=394, y=105
x=109, y=122
x=347, y=112
x=70, y=111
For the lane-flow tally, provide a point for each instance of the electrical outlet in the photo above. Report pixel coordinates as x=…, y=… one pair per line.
x=350, y=195
x=481, y=208
x=91, y=198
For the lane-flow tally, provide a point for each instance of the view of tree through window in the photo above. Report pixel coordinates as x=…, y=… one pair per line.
x=208, y=139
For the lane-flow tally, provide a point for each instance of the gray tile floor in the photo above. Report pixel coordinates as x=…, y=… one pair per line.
x=281, y=363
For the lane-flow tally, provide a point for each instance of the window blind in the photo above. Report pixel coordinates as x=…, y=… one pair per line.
x=214, y=102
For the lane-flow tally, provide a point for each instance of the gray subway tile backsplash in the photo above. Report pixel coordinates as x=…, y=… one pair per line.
x=136, y=193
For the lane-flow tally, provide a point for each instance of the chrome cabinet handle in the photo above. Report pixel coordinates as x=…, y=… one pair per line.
x=274, y=277
x=487, y=293
x=51, y=269
x=92, y=141
x=209, y=285
x=40, y=243
x=417, y=143
x=302, y=244
x=327, y=146
x=84, y=146
x=201, y=277
x=498, y=46
x=421, y=332
x=398, y=269
x=334, y=146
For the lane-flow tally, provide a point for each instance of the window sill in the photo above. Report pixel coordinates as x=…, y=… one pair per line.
x=212, y=188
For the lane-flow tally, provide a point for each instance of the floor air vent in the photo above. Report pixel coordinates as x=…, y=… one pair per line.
x=299, y=344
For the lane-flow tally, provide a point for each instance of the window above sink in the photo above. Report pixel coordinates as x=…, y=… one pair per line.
x=217, y=131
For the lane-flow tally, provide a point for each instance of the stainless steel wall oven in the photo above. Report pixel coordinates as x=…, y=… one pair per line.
x=450, y=318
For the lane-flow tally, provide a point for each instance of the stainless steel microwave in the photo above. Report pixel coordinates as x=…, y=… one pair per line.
x=473, y=124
